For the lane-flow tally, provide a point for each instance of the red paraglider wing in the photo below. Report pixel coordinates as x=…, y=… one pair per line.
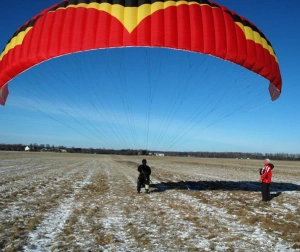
x=198, y=26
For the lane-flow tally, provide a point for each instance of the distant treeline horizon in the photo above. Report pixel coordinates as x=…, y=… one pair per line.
x=200, y=154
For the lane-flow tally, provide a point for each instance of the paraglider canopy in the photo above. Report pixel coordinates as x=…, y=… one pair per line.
x=199, y=26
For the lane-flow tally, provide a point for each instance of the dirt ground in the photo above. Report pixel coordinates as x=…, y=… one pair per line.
x=81, y=202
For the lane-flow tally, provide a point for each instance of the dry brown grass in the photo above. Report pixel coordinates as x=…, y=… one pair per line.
x=106, y=212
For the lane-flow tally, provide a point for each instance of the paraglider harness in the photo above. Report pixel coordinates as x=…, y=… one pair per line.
x=143, y=177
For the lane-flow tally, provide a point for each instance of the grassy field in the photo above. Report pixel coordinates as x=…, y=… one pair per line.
x=73, y=202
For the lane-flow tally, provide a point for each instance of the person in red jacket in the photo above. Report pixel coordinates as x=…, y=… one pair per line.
x=265, y=179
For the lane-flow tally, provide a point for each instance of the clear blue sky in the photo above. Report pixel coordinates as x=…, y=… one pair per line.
x=157, y=99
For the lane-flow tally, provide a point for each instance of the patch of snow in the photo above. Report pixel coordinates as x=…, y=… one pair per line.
x=47, y=231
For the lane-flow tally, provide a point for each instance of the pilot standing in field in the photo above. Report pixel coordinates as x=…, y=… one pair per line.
x=144, y=176
x=265, y=179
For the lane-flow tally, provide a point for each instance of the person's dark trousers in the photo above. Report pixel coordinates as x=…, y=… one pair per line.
x=140, y=182
x=265, y=191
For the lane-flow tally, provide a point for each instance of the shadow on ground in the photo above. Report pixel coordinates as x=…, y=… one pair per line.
x=275, y=187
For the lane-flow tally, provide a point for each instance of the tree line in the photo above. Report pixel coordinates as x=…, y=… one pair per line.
x=200, y=154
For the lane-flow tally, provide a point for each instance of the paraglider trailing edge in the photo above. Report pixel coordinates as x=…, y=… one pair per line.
x=198, y=26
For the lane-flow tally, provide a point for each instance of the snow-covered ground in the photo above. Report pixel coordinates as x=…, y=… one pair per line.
x=70, y=202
